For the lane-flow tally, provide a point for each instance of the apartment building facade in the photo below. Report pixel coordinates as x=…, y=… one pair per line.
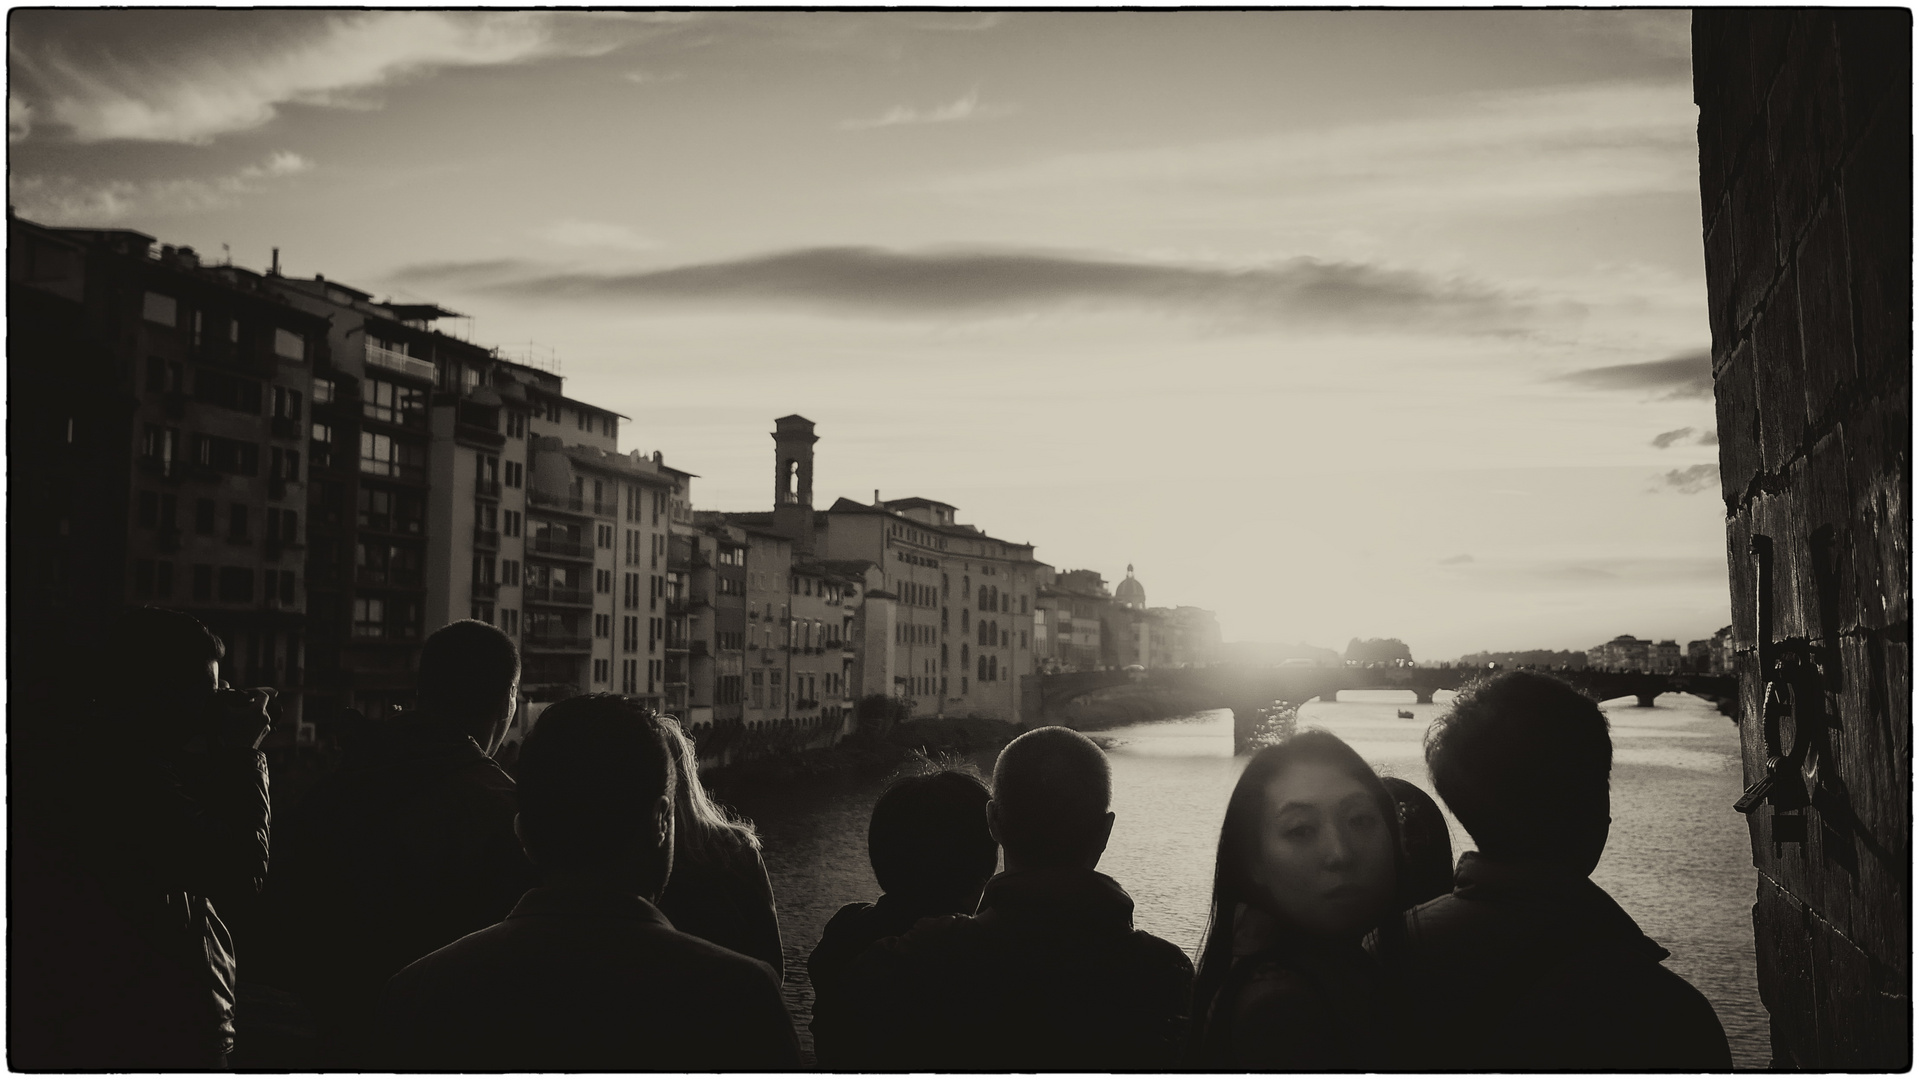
x=160, y=462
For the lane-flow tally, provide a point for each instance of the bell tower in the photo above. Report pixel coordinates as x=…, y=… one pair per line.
x=793, y=441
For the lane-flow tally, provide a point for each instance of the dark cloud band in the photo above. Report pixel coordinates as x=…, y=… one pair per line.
x=1686, y=375
x=877, y=281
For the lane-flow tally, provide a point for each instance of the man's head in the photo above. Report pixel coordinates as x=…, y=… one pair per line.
x=166, y=667
x=596, y=795
x=929, y=843
x=1523, y=760
x=470, y=678
x=1051, y=789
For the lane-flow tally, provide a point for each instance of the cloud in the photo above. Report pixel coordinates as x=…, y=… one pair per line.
x=1456, y=560
x=1666, y=438
x=650, y=78
x=966, y=108
x=59, y=200
x=1710, y=438
x=573, y=232
x=1687, y=375
x=1693, y=479
x=983, y=283
x=93, y=76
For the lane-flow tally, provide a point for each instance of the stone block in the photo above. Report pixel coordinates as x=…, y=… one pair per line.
x=1720, y=276
x=1831, y=510
x=1875, y=61
x=1735, y=399
x=1739, y=568
x=1768, y=32
x=1858, y=1025
x=1755, y=246
x=1825, y=312
x=1805, y=133
x=1878, y=447
x=1779, y=367
x=1877, y=185
x=1781, y=939
x=1727, y=94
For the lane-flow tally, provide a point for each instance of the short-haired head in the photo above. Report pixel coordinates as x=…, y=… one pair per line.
x=469, y=676
x=1425, y=843
x=929, y=843
x=596, y=793
x=1523, y=760
x=165, y=666
x=1051, y=791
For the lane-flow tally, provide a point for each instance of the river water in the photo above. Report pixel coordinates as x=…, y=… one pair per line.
x=1678, y=860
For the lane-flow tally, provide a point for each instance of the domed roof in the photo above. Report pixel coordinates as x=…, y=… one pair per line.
x=1130, y=592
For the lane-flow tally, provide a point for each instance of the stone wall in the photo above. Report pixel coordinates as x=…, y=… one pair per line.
x=1805, y=155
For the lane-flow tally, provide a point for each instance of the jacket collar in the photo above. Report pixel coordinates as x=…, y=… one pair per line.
x=587, y=902
x=1543, y=885
x=1072, y=895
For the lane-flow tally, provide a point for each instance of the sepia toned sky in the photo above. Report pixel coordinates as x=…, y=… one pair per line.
x=1338, y=323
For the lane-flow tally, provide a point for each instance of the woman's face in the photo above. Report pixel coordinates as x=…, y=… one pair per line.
x=1325, y=856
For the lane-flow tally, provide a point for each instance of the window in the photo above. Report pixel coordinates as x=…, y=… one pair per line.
x=226, y=455
x=147, y=509
x=515, y=474
x=515, y=425
x=483, y=567
x=369, y=617
x=510, y=522
x=236, y=522
x=286, y=403
x=236, y=584
x=288, y=345
x=605, y=537
x=732, y=556
x=603, y=582
x=600, y=670
x=160, y=443
x=632, y=594
x=160, y=309
x=584, y=420
x=629, y=676
x=322, y=446
x=392, y=403
x=630, y=633
x=510, y=621
x=602, y=625
x=481, y=611
x=759, y=690
x=322, y=391
x=509, y=571
x=202, y=582
x=391, y=511
x=486, y=473
x=228, y=391
x=383, y=455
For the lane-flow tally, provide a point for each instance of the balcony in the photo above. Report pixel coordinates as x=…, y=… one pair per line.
x=698, y=648
x=285, y=427
x=486, y=539
x=555, y=500
x=606, y=509
x=485, y=590
x=276, y=487
x=399, y=579
x=379, y=357
x=487, y=489
x=558, y=594
x=556, y=641
x=166, y=541
x=561, y=546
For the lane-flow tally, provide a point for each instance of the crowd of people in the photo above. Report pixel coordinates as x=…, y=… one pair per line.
x=597, y=911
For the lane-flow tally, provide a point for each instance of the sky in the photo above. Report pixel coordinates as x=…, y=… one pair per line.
x=1340, y=324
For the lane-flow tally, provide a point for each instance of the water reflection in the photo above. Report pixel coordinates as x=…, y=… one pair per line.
x=1679, y=859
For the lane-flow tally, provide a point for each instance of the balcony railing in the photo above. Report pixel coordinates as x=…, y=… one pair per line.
x=371, y=575
x=560, y=545
x=485, y=590
x=486, y=539
x=377, y=356
x=558, y=594
x=557, y=639
x=555, y=499
x=285, y=427
x=488, y=488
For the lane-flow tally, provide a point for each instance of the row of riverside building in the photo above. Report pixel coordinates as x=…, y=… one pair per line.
x=1628, y=653
x=323, y=479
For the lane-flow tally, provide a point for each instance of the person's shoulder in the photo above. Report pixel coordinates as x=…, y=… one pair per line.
x=1160, y=953
x=455, y=965
x=716, y=963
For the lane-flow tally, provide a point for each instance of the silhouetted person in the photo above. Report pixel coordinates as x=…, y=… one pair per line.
x=1308, y=862
x=1425, y=844
x=586, y=974
x=933, y=855
x=1528, y=965
x=134, y=823
x=720, y=890
x=409, y=846
x=1051, y=974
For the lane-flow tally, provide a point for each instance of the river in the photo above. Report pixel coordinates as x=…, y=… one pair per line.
x=1678, y=860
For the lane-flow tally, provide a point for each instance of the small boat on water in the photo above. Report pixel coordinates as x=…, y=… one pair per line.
x=1405, y=714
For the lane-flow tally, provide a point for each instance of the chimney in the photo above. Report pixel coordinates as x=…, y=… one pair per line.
x=876, y=496
x=274, y=271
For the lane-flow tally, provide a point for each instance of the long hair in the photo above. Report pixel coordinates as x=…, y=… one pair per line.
x=1238, y=846
x=701, y=827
